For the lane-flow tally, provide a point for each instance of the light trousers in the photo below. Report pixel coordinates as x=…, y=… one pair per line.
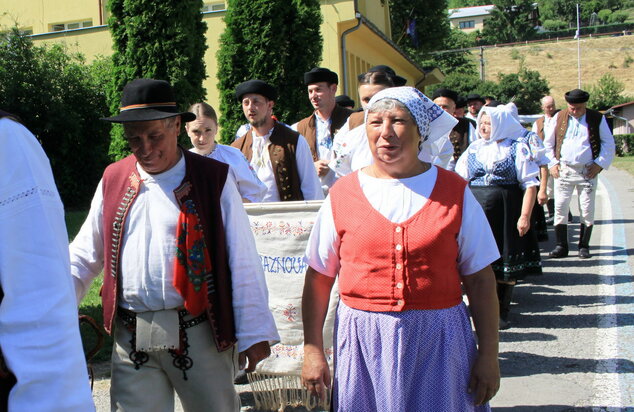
x=208, y=388
x=571, y=178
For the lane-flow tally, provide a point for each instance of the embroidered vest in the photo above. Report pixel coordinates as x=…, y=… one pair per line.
x=593, y=119
x=356, y=119
x=307, y=127
x=459, y=137
x=392, y=267
x=539, y=127
x=282, y=153
x=503, y=172
x=203, y=184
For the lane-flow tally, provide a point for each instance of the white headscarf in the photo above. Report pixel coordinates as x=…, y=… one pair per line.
x=432, y=121
x=504, y=124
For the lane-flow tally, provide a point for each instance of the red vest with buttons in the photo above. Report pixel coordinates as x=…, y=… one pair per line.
x=391, y=267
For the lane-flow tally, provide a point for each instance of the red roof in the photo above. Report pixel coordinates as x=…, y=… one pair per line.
x=622, y=105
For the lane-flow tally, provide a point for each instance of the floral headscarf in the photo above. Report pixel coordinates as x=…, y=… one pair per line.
x=432, y=121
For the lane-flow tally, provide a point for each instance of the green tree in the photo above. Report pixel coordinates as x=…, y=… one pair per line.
x=428, y=20
x=606, y=92
x=272, y=40
x=156, y=39
x=525, y=88
x=60, y=99
x=510, y=21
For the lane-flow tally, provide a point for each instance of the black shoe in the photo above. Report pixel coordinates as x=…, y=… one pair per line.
x=504, y=324
x=584, y=253
x=559, y=252
x=241, y=378
x=550, y=220
x=570, y=217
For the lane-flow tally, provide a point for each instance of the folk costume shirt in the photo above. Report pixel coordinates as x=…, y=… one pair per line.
x=248, y=183
x=261, y=163
x=149, y=250
x=324, y=148
x=39, y=333
x=575, y=149
x=398, y=200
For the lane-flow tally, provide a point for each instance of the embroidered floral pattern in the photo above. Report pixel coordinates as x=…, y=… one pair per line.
x=282, y=228
x=290, y=313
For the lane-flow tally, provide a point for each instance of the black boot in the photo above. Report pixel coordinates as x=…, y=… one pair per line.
x=550, y=205
x=584, y=241
x=561, y=248
x=505, y=294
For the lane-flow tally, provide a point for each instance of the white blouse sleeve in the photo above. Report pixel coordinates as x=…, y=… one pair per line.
x=253, y=319
x=476, y=245
x=525, y=167
x=322, y=249
x=462, y=167
x=249, y=186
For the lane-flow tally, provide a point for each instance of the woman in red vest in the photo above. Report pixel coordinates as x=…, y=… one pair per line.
x=403, y=237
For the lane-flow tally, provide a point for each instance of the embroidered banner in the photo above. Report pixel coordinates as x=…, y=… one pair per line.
x=281, y=230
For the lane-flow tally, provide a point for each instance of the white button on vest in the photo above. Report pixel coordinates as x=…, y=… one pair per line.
x=399, y=266
x=399, y=285
x=400, y=302
x=399, y=247
x=398, y=229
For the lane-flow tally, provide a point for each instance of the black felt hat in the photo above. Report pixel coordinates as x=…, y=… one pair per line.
x=475, y=96
x=148, y=99
x=577, y=96
x=449, y=94
x=257, y=87
x=320, y=74
x=461, y=102
x=344, y=100
x=398, y=80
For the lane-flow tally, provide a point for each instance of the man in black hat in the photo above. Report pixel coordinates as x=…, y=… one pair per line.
x=578, y=148
x=474, y=104
x=463, y=133
x=320, y=127
x=344, y=100
x=280, y=156
x=183, y=287
x=398, y=80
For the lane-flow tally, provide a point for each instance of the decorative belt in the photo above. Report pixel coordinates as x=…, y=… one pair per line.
x=181, y=359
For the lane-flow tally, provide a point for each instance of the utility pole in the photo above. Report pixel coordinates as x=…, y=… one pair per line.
x=481, y=63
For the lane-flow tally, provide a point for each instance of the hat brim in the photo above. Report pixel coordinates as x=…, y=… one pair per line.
x=145, y=115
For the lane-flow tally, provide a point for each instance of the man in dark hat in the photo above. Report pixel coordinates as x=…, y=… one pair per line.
x=544, y=126
x=463, y=133
x=578, y=148
x=344, y=100
x=474, y=104
x=320, y=127
x=183, y=287
x=398, y=80
x=280, y=157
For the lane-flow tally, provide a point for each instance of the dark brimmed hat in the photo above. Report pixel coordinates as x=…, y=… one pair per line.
x=257, y=87
x=398, y=80
x=344, y=100
x=475, y=96
x=577, y=96
x=148, y=99
x=461, y=102
x=320, y=74
x=449, y=94
x=493, y=103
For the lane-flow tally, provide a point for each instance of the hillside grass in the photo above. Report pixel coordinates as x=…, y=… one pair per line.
x=625, y=163
x=557, y=62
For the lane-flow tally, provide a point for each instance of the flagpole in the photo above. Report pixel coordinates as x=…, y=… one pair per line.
x=578, y=50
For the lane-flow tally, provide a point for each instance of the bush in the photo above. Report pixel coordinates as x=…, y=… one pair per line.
x=59, y=99
x=606, y=92
x=604, y=15
x=618, y=17
x=606, y=28
x=624, y=144
x=552, y=25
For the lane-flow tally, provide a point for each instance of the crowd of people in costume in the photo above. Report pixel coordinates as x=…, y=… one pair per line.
x=448, y=205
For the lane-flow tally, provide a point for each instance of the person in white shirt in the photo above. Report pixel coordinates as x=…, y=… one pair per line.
x=320, y=127
x=474, y=104
x=202, y=133
x=544, y=126
x=39, y=333
x=280, y=156
x=579, y=147
x=183, y=289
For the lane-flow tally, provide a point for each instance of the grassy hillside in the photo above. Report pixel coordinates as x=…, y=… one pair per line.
x=557, y=62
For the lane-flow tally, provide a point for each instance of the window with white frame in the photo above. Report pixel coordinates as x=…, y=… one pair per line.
x=218, y=6
x=469, y=24
x=70, y=25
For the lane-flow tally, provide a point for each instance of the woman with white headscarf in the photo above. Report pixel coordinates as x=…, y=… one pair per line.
x=503, y=175
x=403, y=236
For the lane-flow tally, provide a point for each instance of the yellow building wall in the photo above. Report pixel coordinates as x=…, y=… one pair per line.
x=41, y=14
x=478, y=21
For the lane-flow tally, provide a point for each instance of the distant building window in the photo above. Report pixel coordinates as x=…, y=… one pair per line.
x=71, y=25
x=470, y=24
x=220, y=6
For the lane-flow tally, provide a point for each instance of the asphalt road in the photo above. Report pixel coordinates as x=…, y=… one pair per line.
x=571, y=344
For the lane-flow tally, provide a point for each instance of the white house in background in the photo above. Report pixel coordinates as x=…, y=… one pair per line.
x=623, y=118
x=469, y=19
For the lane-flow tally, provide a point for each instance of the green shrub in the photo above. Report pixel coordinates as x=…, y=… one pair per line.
x=552, y=25
x=59, y=99
x=624, y=144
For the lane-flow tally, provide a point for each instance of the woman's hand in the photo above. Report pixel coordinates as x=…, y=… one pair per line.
x=542, y=197
x=485, y=378
x=523, y=224
x=315, y=372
